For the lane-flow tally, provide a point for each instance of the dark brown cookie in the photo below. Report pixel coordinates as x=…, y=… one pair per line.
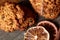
x=29, y=18
x=46, y=8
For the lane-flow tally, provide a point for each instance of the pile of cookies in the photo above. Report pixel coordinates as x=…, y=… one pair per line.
x=15, y=17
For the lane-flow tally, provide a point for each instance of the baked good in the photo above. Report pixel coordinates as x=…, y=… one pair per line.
x=36, y=33
x=12, y=1
x=19, y=14
x=46, y=8
x=28, y=20
x=14, y=17
x=8, y=20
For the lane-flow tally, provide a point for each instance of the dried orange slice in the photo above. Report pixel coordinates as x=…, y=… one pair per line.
x=36, y=33
x=50, y=27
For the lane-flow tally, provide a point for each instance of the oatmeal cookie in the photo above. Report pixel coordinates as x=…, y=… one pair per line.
x=8, y=16
x=14, y=17
x=46, y=8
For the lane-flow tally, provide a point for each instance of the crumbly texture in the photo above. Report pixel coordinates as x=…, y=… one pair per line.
x=36, y=33
x=46, y=8
x=28, y=22
x=14, y=17
x=19, y=14
x=7, y=18
x=29, y=18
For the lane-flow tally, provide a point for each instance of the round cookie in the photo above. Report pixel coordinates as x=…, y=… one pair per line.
x=21, y=16
x=36, y=33
x=46, y=8
x=7, y=18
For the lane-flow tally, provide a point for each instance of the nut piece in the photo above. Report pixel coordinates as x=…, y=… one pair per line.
x=46, y=8
x=36, y=33
x=50, y=27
